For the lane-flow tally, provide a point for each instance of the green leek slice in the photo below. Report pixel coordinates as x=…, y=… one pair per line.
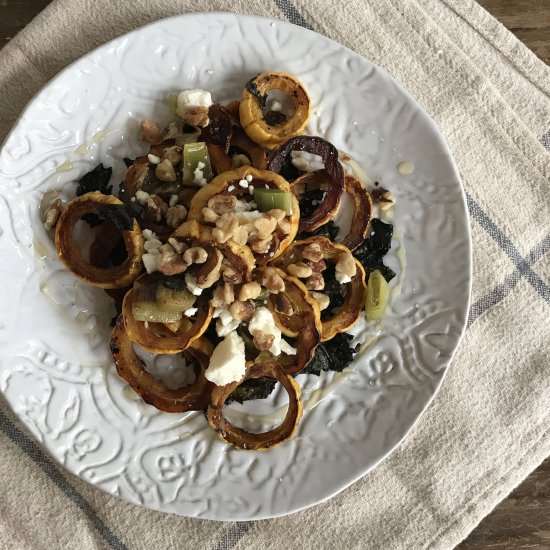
x=378, y=294
x=193, y=153
x=270, y=199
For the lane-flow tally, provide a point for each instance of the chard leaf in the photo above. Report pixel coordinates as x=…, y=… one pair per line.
x=334, y=355
x=95, y=180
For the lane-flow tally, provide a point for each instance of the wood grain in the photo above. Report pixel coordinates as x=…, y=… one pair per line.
x=529, y=20
x=521, y=521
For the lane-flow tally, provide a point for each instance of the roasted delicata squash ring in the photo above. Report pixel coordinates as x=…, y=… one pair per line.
x=157, y=337
x=252, y=117
x=141, y=176
x=323, y=213
x=193, y=397
x=239, y=143
x=239, y=257
x=141, y=171
x=257, y=441
x=354, y=301
x=303, y=324
x=260, y=179
x=281, y=163
x=113, y=277
x=107, y=239
x=362, y=212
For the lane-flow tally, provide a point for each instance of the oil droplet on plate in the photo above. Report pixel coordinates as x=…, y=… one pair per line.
x=82, y=149
x=67, y=166
x=405, y=168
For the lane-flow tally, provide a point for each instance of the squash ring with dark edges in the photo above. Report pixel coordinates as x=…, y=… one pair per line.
x=111, y=277
x=257, y=441
x=193, y=397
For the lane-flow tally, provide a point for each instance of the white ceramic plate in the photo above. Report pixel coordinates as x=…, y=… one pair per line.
x=56, y=371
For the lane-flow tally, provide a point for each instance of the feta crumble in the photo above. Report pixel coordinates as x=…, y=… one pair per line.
x=190, y=312
x=342, y=278
x=153, y=159
x=192, y=98
x=151, y=262
x=191, y=283
x=227, y=363
x=307, y=162
x=263, y=322
x=198, y=174
x=141, y=197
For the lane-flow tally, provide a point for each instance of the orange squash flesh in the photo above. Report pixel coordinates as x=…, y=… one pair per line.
x=193, y=397
x=304, y=324
x=354, y=301
x=111, y=277
x=252, y=118
x=362, y=212
x=257, y=441
x=260, y=178
x=157, y=338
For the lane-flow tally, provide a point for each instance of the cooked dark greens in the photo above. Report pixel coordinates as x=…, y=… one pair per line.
x=328, y=230
x=375, y=247
x=335, y=354
x=254, y=388
x=334, y=290
x=219, y=129
x=95, y=180
x=253, y=89
x=122, y=216
x=309, y=201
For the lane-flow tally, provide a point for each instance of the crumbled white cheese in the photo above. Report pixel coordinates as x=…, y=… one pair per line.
x=178, y=246
x=227, y=363
x=287, y=348
x=198, y=174
x=243, y=183
x=248, y=217
x=151, y=262
x=147, y=234
x=249, y=178
x=200, y=165
x=191, y=283
x=142, y=196
x=225, y=317
x=173, y=200
x=223, y=330
x=152, y=244
x=342, y=278
x=231, y=188
x=153, y=159
x=243, y=206
x=192, y=98
x=251, y=189
x=263, y=321
x=191, y=311
x=275, y=105
x=225, y=324
x=307, y=162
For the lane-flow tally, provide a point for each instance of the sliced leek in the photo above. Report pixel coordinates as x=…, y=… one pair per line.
x=378, y=293
x=271, y=199
x=197, y=169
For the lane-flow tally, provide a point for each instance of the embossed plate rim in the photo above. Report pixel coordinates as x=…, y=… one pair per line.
x=434, y=132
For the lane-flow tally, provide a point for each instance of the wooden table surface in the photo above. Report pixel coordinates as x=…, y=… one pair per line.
x=522, y=521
